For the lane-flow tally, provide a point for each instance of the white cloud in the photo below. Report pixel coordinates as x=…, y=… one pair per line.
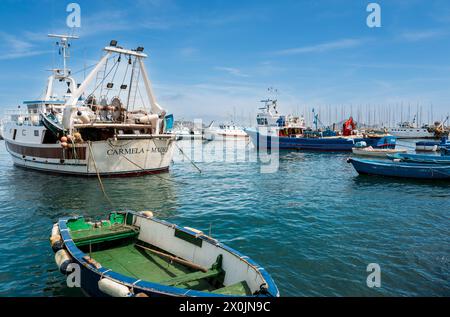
x=232, y=71
x=414, y=36
x=13, y=47
x=188, y=51
x=323, y=47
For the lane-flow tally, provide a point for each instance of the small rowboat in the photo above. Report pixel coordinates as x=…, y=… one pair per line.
x=135, y=254
x=370, y=151
x=400, y=169
x=420, y=158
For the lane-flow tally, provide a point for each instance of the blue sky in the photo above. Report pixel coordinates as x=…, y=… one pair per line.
x=213, y=59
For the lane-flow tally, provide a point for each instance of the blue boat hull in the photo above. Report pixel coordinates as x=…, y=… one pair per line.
x=400, y=169
x=423, y=159
x=317, y=144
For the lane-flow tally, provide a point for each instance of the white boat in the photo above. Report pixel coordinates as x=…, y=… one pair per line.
x=75, y=134
x=182, y=132
x=407, y=130
x=1, y=130
x=370, y=151
x=225, y=131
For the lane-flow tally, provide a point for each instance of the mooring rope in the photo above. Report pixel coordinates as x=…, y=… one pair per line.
x=182, y=152
x=143, y=169
x=91, y=153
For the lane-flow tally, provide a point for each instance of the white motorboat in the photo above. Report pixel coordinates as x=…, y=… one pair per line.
x=225, y=132
x=96, y=127
x=185, y=133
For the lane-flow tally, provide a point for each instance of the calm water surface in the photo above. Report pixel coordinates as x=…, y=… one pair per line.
x=314, y=224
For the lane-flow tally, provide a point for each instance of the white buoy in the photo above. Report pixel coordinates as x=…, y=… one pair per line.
x=83, y=117
x=113, y=289
x=63, y=259
x=148, y=214
x=55, y=230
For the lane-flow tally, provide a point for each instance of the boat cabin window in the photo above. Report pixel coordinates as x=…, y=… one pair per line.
x=14, y=134
x=262, y=121
x=36, y=132
x=33, y=108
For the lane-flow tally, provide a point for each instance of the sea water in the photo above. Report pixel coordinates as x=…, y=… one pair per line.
x=312, y=223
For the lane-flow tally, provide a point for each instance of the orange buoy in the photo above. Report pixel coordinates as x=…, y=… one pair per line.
x=64, y=144
x=63, y=139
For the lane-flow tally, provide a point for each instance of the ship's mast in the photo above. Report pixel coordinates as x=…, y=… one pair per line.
x=64, y=45
x=61, y=74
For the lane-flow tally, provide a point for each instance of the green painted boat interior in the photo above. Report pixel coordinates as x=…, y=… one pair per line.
x=114, y=244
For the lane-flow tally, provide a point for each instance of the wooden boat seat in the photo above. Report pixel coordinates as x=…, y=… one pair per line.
x=104, y=233
x=191, y=277
x=233, y=289
x=215, y=271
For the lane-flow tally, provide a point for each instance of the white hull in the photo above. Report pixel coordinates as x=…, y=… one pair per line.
x=228, y=136
x=189, y=137
x=411, y=133
x=106, y=158
x=375, y=152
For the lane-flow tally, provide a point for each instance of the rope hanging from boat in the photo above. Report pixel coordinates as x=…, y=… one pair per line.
x=91, y=154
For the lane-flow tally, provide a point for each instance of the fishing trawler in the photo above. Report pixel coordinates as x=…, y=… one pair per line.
x=407, y=130
x=290, y=133
x=96, y=127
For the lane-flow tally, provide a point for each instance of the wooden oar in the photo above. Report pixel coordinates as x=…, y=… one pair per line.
x=175, y=259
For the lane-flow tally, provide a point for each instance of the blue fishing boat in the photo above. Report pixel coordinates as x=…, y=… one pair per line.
x=421, y=158
x=134, y=254
x=400, y=169
x=290, y=133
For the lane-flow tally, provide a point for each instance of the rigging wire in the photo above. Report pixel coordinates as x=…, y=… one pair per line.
x=89, y=67
x=123, y=80
x=115, y=72
x=104, y=77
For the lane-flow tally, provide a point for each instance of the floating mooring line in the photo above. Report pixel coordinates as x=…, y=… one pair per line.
x=190, y=161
